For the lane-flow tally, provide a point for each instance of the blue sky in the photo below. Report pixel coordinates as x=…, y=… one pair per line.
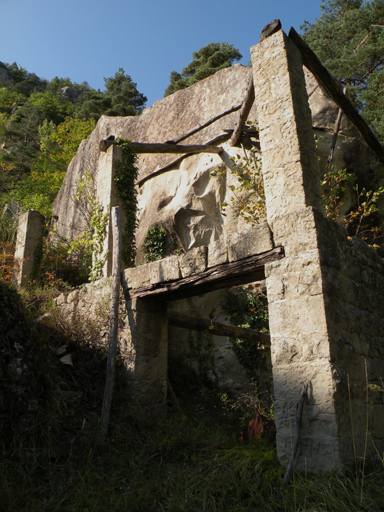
x=87, y=40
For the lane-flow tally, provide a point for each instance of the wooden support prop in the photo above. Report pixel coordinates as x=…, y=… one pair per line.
x=204, y=125
x=335, y=134
x=205, y=325
x=335, y=91
x=168, y=167
x=142, y=147
x=113, y=322
x=222, y=276
x=244, y=112
x=299, y=413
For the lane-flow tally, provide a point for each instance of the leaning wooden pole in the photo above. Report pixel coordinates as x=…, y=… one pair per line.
x=244, y=112
x=114, y=313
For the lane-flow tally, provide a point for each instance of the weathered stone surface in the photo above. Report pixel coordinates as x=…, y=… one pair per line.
x=217, y=253
x=145, y=353
x=29, y=237
x=249, y=242
x=193, y=261
x=167, y=269
x=137, y=277
x=290, y=166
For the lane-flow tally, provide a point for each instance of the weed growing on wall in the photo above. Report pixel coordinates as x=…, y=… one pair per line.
x=124, y=178
x=361, y=220
x=248, y=198
x=154, y=243
x=88, y=245
x=249, y=310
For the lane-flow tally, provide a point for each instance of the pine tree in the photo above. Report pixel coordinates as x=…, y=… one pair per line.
x=206, y=62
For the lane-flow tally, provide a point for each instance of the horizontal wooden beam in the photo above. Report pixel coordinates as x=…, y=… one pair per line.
x=213, y=327
x=143, y=147
x=169, y=167
x=335, y=91
x=225, y=275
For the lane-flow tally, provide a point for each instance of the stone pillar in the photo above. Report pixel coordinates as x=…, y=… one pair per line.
x=29, y=237
x=299, y=333
x=144, y=349
x=106, y=195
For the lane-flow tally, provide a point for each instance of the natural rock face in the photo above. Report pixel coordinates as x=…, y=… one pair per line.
x=187, y=199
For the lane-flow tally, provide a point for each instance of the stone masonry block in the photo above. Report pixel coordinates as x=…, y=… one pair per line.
x=249, y=242
x=137, y=277
x=29, y=236
x=164, y=270
x=217, y=253
x=193, y=261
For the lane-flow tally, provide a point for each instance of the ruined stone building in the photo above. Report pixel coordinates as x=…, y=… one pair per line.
x=325, y=291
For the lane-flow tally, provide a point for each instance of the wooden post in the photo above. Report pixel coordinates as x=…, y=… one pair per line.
x=114, y=313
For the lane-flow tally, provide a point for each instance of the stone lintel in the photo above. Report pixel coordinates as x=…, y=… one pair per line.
x=250, y=242
x=193, y=261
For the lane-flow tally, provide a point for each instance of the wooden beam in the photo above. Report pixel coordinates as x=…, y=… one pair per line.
x=204, y=125
x=142, y=147
x=225, y=275
x=244, y=112
x=168, y=167
x=205, y=325
x=335, y=91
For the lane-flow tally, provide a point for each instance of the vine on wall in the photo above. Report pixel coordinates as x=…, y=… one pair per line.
x=125, y=177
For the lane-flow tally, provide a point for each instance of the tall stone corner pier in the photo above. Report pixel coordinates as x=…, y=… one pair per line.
x=321, y=334
x=29, y=236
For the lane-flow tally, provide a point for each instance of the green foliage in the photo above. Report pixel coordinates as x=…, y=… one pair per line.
x=154, y=243
x=125, y=179
x=349, y=40
x=120, y=99
x=249, y=310
x=334, y=191
x=361, y=220
x=248, y=198
x=41, y=128
x=206, y=62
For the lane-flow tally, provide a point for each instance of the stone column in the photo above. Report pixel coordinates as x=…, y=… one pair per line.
x=144, y=348
x=106, y=195
x=299, y=334
x=29, y=237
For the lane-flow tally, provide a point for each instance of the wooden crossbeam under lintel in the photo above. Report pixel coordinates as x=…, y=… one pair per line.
x=213, y=327
x=225, y=275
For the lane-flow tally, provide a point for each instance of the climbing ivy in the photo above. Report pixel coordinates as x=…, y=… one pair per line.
x=154, y=243
x=125, y=177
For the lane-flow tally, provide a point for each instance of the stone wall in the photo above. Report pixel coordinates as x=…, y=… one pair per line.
x=324, y=296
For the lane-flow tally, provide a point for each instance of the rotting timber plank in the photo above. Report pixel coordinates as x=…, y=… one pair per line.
x=225, y=275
